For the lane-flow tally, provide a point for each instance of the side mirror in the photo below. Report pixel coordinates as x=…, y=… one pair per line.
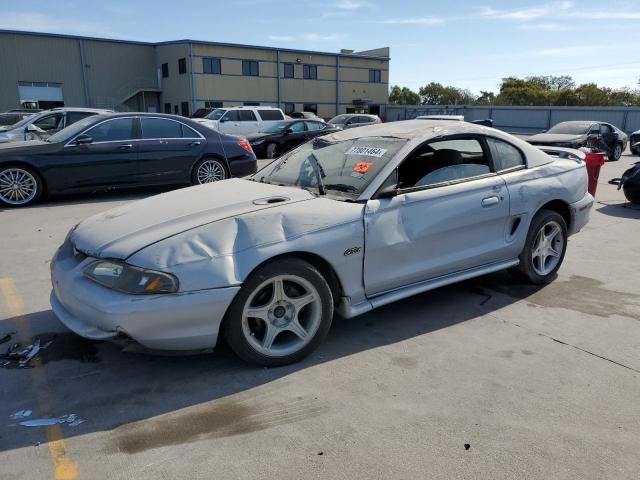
x=389, y=191
x=83, y=139
x=288, y=131
x=223, y=119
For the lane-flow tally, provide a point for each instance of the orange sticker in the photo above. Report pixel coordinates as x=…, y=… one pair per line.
x=362, y=167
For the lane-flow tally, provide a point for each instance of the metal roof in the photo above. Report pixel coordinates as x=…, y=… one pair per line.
x=194, y=42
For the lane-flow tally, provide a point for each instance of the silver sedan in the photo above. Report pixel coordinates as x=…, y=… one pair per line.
x=348, y=222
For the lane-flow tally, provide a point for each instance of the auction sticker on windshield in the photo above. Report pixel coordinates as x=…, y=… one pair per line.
x=367, y=151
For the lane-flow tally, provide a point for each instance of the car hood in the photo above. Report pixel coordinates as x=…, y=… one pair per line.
x=122, y=231
x=550, y=138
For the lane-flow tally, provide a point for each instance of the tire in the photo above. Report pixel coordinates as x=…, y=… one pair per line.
x=536, y=267
x=209, y=170
x=635, y=151
x=19, y=186
x=271, y=151
x=278, y=291
x=617, y=153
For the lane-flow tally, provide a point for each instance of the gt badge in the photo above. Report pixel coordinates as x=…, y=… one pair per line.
x=351, y=251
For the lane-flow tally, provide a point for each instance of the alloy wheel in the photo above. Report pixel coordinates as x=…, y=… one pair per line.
x=17, y=186
x=547, y=248
x=210, y=171
x=271, y=150
x=617, y=152
x=282, y=315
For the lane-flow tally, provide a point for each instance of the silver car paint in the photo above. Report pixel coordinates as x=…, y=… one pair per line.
x=213, y=236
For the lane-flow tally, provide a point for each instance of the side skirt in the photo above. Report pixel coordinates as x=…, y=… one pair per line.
x=347, y=310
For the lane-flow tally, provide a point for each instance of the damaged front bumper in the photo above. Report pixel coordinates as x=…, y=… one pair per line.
x=580, y=212
x=181, y=321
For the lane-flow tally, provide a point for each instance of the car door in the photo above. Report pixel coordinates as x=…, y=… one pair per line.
x=48, y=124
x=230, y=122
x=110, y=159
x=609, y=136
x=249, y=122
x=435, y=227
x=295, y=134
x=167, y=150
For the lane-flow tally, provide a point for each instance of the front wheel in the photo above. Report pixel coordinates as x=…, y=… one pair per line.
x=617, y=153
x=544, y=249
x=281, y=314
x=272, y=151
x=208, y=170
x=19, y=186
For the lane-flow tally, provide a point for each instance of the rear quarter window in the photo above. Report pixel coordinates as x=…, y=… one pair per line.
x=269, y=115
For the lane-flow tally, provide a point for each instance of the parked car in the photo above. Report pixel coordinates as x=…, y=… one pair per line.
x=487, y=122
x=202, y=112
x=591, y=134
x=45, y=123
x=349, y=120
x=350, y=221
x=11, y=118
x=285, y=135
x=634, y=142
x=25, y=110
x=307, y=115
x=242, y=120
x=120, y=150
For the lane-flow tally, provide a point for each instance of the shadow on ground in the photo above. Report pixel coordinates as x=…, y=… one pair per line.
x=116, y=390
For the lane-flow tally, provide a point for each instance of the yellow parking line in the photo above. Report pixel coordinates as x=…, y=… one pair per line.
x=64, y=467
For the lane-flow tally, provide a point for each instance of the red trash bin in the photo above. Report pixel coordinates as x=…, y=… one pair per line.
x=594, y=161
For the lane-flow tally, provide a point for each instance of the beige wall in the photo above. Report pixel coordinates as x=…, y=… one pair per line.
x=176, y=88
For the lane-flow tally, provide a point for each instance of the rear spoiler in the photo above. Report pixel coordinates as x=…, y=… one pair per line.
x=561, y=152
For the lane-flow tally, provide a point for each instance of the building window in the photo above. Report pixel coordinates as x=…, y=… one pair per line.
x=184, y=106
x=251, y=104
x=182, y=66
x=165, y=70
x=289, y=108
x=288, y=70
x=211, y=65
x=310, y=107
x=250, y=68
x=310, y=72
x=176, y=110
x=167, y=108
x=212, y=104
x=375, y=75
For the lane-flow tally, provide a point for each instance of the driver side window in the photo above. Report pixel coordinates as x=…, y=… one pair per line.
x=50, y=122
x=297, y=127
x=442, y=162
x=595, y=129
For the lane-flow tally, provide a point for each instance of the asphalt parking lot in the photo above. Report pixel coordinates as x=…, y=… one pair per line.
x=537, y=382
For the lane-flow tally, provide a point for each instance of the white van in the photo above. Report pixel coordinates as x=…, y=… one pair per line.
x=242, y=120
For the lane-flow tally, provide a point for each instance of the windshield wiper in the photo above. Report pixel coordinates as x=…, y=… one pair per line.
x=341, y=187
x=319, y=174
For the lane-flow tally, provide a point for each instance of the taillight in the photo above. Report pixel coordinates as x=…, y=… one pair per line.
x=244, y=143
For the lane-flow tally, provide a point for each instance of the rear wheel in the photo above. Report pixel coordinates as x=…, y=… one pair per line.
x=544, y=249
x=19, y=186
x=281, y=314
x=617, y=153
x=208, y=170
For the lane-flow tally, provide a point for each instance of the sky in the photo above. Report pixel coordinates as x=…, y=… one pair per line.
x=464, y=43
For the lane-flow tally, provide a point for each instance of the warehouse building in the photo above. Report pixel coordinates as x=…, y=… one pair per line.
x=181, y=76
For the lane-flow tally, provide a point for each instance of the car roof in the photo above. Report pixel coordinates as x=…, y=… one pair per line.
x=406, y=129
x=78, y=109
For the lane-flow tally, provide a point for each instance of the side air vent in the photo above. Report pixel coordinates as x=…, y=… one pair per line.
x=515, y=225
x=270, y=200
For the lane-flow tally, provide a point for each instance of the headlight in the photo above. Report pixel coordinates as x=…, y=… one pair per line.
x=128, y=279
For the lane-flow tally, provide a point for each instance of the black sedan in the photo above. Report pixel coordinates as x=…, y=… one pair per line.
x=599, y=136
x=120, y=150
x=286, y=135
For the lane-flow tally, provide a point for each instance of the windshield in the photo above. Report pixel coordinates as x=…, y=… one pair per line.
x=339, y=119
x=74, y=129
x=26, y=120
x=216, y=114
x=570, y=128
x=278, y=127
x=345, y=167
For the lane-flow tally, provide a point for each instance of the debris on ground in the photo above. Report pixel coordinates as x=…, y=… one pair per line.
x=71, y=419
x=6, y=337
x=17, y=357
x=21, y=414
x=467, y=446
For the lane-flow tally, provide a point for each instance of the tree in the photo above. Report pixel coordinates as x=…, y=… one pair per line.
x=436, y=94
x=403, y=96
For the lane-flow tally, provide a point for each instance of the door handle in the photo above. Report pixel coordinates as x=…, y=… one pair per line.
x=490, y=201
x=125, y=146
x=194, y=144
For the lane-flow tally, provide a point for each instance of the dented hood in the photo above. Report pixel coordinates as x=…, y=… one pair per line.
x=550, y=138
x=122, y=231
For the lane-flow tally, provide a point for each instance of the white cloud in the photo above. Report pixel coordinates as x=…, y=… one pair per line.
x=569, y=51
x=345, y=8
x=353, y=5
x=550, y=27
x=527, y=14
x=414, y=21
x=281, y=38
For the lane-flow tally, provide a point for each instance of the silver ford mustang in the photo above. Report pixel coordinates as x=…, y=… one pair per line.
x=348, y=222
